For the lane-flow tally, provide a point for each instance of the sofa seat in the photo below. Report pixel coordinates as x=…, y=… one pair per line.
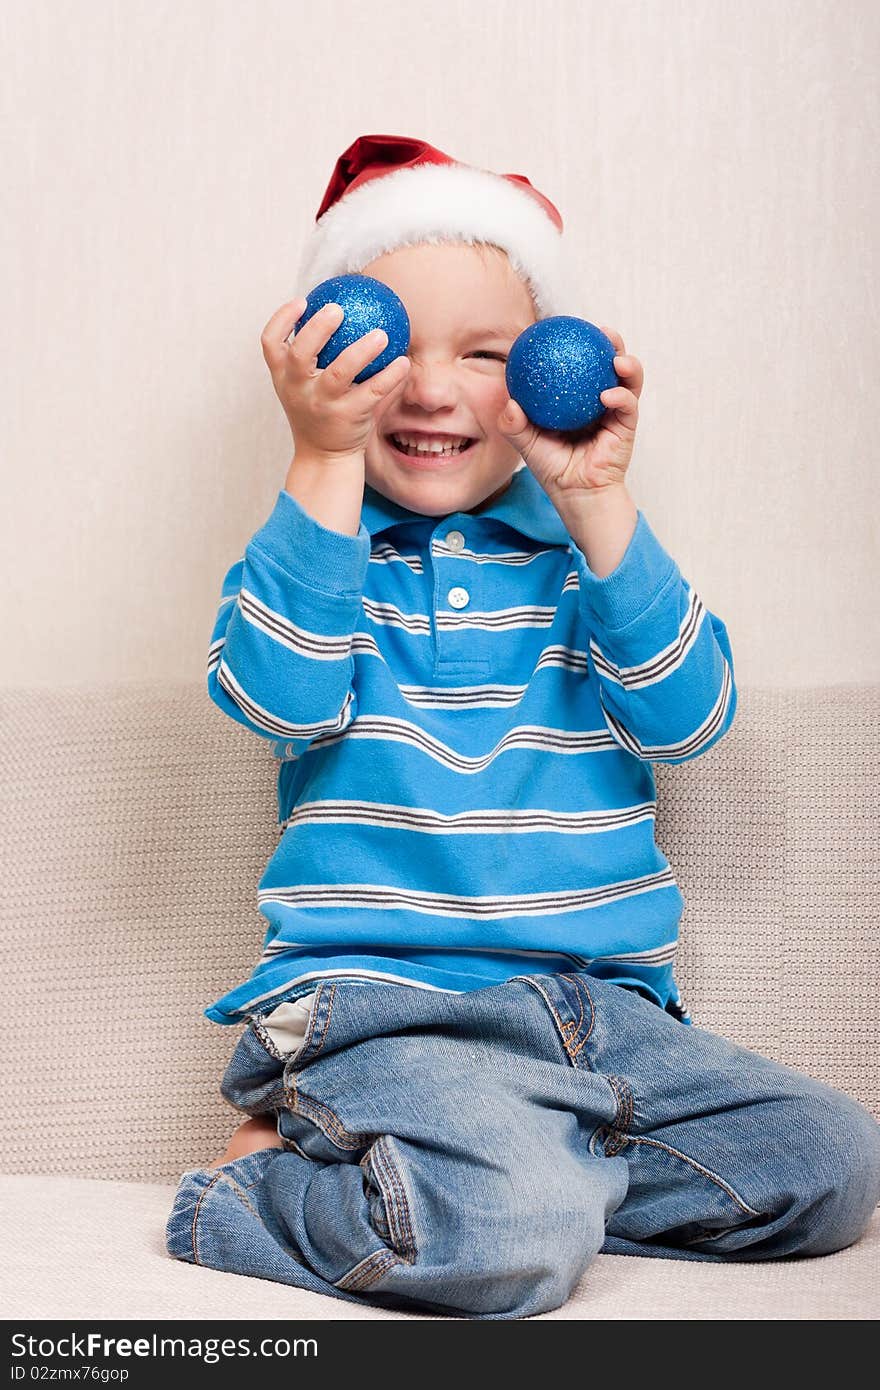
x=127, y=1274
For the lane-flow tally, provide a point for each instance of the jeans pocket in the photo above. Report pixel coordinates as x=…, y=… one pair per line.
x=276, y=1043
x=284, y=1030
x=296, y=1031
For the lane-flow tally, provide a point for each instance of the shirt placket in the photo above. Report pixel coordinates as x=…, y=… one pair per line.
x=460, y=647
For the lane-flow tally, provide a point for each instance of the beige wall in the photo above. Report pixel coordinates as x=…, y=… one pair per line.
x=716, y=167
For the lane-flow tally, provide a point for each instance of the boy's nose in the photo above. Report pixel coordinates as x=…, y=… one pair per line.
x=429, y=385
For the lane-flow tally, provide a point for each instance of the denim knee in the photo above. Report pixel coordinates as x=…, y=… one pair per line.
x=837, y=1142
x=508, y=1241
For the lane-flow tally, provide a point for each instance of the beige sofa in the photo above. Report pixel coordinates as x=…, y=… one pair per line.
x=136, y=822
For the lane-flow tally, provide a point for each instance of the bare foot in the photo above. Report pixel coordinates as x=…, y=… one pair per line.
x=258, y=1133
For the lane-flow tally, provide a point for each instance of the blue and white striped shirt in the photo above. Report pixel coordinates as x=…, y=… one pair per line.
x=465, y=718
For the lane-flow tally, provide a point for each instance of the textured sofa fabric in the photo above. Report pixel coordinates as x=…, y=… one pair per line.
x=135, y=823
x=128, y=1275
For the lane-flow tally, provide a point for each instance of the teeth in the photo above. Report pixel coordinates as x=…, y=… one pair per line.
x=431, y=446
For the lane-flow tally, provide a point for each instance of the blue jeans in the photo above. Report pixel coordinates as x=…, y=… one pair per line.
x=469, y=1154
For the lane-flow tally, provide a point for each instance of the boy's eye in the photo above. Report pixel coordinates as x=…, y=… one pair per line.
x=484, y=352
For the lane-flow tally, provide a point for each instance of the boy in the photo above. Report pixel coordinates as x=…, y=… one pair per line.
x=467, y=1061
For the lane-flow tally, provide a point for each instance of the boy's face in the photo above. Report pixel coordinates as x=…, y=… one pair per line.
x=465, y=309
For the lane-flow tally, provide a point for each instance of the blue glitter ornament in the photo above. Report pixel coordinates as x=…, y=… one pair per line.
x=367, y=304
x=558, y=368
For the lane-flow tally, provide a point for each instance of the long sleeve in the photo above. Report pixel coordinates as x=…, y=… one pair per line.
x=280, y=659
x=663, y=662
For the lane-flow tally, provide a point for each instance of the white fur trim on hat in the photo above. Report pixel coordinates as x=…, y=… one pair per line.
x=438, y=203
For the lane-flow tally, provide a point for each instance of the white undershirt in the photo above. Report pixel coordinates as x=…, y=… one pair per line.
x=287, y=1024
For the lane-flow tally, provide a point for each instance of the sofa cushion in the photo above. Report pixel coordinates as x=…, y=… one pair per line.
x=52, y=1221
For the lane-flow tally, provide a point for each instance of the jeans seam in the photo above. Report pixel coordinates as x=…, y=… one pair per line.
x=397, y=1207
x=240, y=1192
x=706, y=1236
x=237, y=1187
x=380, y=1216
x=618, y=1130
x=368, y=1270
x=327, y=1121
x=259, y=1027
x=193, y=1231
x=313, y=1020
x=572, y=1027
x=567, y=1029
x=265, y=1041
x=291, y=1146
x=581, y=985
x=707, y=1172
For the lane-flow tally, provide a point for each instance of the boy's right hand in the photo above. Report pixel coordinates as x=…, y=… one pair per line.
x=328, y=414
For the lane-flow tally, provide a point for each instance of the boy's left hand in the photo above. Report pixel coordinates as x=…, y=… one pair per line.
x=587, y=460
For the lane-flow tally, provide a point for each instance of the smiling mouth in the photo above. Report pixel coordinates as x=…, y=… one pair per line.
x=426, y=459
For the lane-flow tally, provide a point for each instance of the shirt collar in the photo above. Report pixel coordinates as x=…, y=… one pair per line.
x=524, y=506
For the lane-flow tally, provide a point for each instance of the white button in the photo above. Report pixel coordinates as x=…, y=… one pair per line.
x=458, y=597
x=455, y=540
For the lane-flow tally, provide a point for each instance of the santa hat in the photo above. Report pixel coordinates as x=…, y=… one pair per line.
x=388, y=191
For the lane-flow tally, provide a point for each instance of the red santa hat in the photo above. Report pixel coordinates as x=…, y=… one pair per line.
x=388, y=191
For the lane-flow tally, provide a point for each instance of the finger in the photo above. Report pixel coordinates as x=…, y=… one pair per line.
x=613, y=336
x=513, y=420
x=341, y=372
x=376, y=387
x=625, y=364
x=624, y=404
x=516, y=427
x=281, y=324
x=631, y=371
x=316, y=334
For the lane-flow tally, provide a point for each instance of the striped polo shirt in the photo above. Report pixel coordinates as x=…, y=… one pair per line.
x=464, y=718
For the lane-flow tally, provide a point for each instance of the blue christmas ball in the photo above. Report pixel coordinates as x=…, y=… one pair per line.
x=558, y=368
x=367, y=304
